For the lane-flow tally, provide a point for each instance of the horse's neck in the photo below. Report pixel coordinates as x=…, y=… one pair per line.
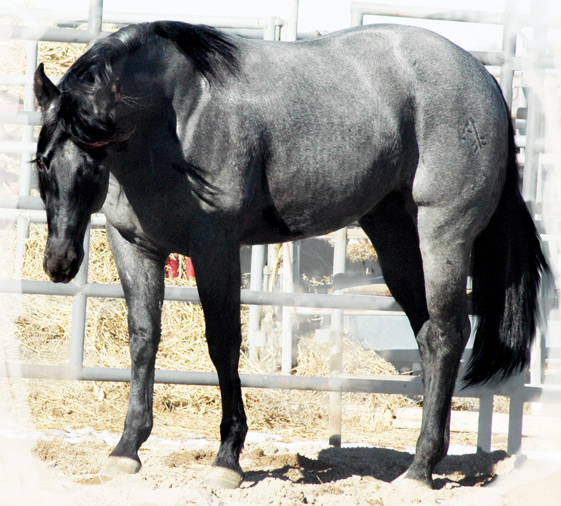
x=156, y=72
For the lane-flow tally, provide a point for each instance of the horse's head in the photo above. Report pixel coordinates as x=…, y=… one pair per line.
x=72, y=180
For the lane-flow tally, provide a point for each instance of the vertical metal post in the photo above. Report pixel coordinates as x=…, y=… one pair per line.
x=270, y=30
x=537, y=359
x=272, y=255
x=510, y=33
x=79, y=310
x=357, y=17
x=340, y=252
x=25, y=181
x=95, y=16
x=254, y=336
x=539, y=14
x=534, y=131
x=287, y=345
x=26, y=173
x=296, y=264
x=533, y=134
x=516, y=415
x=290, y=29
x=336, y=352
x=536, y=125
x=485, y=423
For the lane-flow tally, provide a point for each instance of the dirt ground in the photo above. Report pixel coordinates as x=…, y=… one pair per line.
x=62, y=470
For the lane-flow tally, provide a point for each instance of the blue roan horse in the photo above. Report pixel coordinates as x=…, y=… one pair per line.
x=196, y=141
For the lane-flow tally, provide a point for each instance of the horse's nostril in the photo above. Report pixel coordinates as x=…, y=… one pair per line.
x=71, y=256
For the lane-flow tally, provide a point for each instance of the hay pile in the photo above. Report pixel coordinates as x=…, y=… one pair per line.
x=361, y=250
x=43, y=329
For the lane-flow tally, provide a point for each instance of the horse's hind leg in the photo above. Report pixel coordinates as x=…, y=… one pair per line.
x=142, y=277
x=393, y=233
x=445, y=241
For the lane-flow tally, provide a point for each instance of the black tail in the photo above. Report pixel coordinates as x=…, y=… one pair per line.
x=507, y=265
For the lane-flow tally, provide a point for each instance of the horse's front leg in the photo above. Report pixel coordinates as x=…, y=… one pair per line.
x=142, y=277
x=216, y=259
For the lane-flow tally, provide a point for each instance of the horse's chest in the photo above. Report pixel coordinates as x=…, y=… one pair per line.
x=142, y=221
x=121, y=215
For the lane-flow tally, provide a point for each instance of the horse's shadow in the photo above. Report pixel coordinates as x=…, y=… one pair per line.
x=384, y=464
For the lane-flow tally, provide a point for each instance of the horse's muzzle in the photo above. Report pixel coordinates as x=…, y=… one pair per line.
x=62, y=261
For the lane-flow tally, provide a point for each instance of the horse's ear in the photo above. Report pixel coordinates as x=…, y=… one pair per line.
x=107, y=97
x=44, y=89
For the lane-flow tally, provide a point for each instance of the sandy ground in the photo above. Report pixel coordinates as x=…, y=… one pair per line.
x=61, y=469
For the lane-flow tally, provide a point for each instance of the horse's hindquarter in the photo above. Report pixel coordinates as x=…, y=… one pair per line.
x=461, y=127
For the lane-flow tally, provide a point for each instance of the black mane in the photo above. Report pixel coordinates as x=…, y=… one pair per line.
x=208, y=49
x=212, y=53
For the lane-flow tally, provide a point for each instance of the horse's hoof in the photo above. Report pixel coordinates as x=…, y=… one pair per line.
x=411, y=483
x=222, y=477
x=120, y=465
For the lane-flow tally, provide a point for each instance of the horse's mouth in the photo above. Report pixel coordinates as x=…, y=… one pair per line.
x=62, y=268
x=62, y=277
